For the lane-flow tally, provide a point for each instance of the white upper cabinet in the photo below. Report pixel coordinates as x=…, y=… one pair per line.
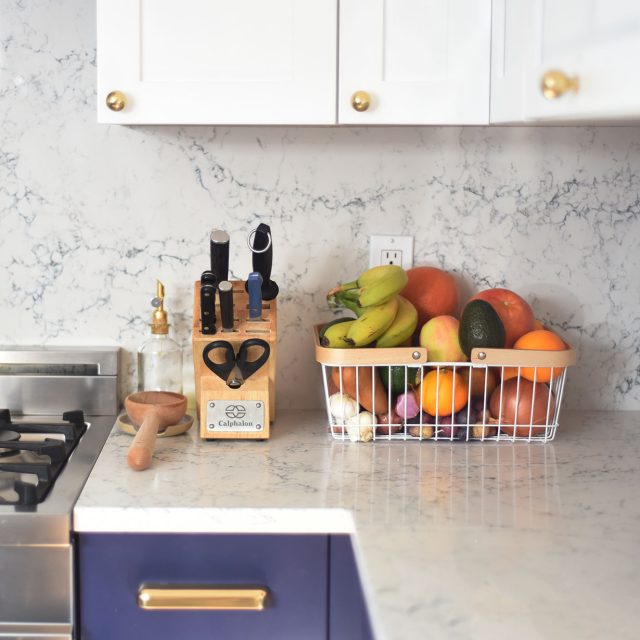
x=414, y=61
x=275, y=61
x=585, y=59
x=565, y=60
x=217, y=61
x=510, y=33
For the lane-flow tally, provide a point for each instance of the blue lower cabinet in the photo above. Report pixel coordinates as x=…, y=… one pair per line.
x=348, y=617
x=112, y=568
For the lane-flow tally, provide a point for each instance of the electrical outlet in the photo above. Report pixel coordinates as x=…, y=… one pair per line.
x=391, y=250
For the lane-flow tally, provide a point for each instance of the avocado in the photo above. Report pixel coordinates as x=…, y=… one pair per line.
x=398, y=377
x=480, y=326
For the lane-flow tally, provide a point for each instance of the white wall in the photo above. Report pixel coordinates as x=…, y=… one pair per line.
x=91, y=215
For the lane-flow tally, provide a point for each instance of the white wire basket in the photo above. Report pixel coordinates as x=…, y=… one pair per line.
x=503, y=395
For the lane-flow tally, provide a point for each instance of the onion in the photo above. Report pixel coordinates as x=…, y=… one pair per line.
x=389, y=423
x=407, y=406
x=444, y=428
x=522, y=416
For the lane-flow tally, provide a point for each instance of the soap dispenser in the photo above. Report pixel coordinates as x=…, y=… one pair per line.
x=160, y=357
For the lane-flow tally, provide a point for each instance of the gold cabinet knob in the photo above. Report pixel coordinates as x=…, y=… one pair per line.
x=555, y=84
x=360, y=101
x=116, y=101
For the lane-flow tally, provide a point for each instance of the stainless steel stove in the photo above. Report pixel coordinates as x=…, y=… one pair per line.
x=57, y=407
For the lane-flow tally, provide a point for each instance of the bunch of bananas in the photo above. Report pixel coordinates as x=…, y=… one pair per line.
x=383, y=316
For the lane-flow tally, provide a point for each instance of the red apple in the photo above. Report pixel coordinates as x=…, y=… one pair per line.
x=515, y=313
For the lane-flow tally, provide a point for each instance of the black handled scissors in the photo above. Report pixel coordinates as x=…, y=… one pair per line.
x=239, y=365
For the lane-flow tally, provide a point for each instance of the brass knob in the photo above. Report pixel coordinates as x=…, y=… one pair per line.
x=555, y=84
x=116, y=101
x=360, y=101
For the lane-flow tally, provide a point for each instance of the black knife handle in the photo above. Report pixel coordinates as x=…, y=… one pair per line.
x=208, y=309
x=262, y=260
x=225, y=291
x=219, y=247
x=208, y=277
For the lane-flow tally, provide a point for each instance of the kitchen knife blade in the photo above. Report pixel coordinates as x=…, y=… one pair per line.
x=219, y=247
x=225, y=291
x=262, y=259
x=254, y=288
x=208, y=308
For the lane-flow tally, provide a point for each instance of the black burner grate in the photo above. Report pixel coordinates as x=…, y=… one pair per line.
x=57, y=451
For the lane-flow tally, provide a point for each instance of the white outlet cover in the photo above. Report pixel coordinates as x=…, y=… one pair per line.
x=401, y=244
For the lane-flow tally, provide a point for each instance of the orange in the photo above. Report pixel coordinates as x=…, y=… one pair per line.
x=509, y=372
x=541, y=340
x=445, y=389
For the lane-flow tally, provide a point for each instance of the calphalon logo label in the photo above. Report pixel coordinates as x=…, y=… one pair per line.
x=235, y=411
x=231, y=415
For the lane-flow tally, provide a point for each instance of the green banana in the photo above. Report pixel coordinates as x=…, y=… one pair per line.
x=349, y=300
x=373, y=287
x=402, y=327
x=333, y=334
x=372, y=323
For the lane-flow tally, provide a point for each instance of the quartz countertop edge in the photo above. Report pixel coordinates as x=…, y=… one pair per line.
x=212, y=520
x=452, y=539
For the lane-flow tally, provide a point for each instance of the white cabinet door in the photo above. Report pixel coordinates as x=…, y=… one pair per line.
x=511, y=34
x=419, y=61
x=595, y=45
x=218, y=61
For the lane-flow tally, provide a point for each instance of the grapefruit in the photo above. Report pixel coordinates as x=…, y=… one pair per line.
x=515, y=312
x=433, y=292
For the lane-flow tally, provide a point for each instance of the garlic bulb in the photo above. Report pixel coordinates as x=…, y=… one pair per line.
x=360, y=427
x=343, y=407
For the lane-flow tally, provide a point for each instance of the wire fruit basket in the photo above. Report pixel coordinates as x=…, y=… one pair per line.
x=398, y=394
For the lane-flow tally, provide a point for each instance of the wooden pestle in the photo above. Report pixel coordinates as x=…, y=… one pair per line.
x=153, y=411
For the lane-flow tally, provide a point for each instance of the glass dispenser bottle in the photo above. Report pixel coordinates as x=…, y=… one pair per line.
x=160, y=357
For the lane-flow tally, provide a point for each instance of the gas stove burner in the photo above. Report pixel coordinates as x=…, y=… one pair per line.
x=6, y=435
x=37, y=453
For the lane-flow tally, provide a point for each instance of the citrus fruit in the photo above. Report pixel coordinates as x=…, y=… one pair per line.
x=515, y=313
x=433, y=292
x=443, y=392
x=399, y=376
x=475, y=377
x=541, y=340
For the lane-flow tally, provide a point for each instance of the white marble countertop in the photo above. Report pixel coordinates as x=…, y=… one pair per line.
x=453, y=540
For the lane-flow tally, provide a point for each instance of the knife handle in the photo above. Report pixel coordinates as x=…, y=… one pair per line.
x=219, y=247
x=208, y=277
x=208, y=308
x=225, y=291
x=254, y=288
x=262, y=260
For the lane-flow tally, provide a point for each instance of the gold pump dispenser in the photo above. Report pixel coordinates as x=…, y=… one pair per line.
x=159, y=321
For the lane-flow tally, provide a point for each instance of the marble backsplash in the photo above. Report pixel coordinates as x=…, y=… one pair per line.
x=92, y=214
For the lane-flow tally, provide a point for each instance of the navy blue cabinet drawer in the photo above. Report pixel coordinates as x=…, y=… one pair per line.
x=113, y=567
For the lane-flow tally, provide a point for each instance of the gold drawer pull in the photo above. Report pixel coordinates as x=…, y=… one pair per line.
x=162, y=598
x=361, y=101
x=116, y=101
x=554, y=84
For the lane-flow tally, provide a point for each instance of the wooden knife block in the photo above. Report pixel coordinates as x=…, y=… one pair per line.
x=258, y=388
